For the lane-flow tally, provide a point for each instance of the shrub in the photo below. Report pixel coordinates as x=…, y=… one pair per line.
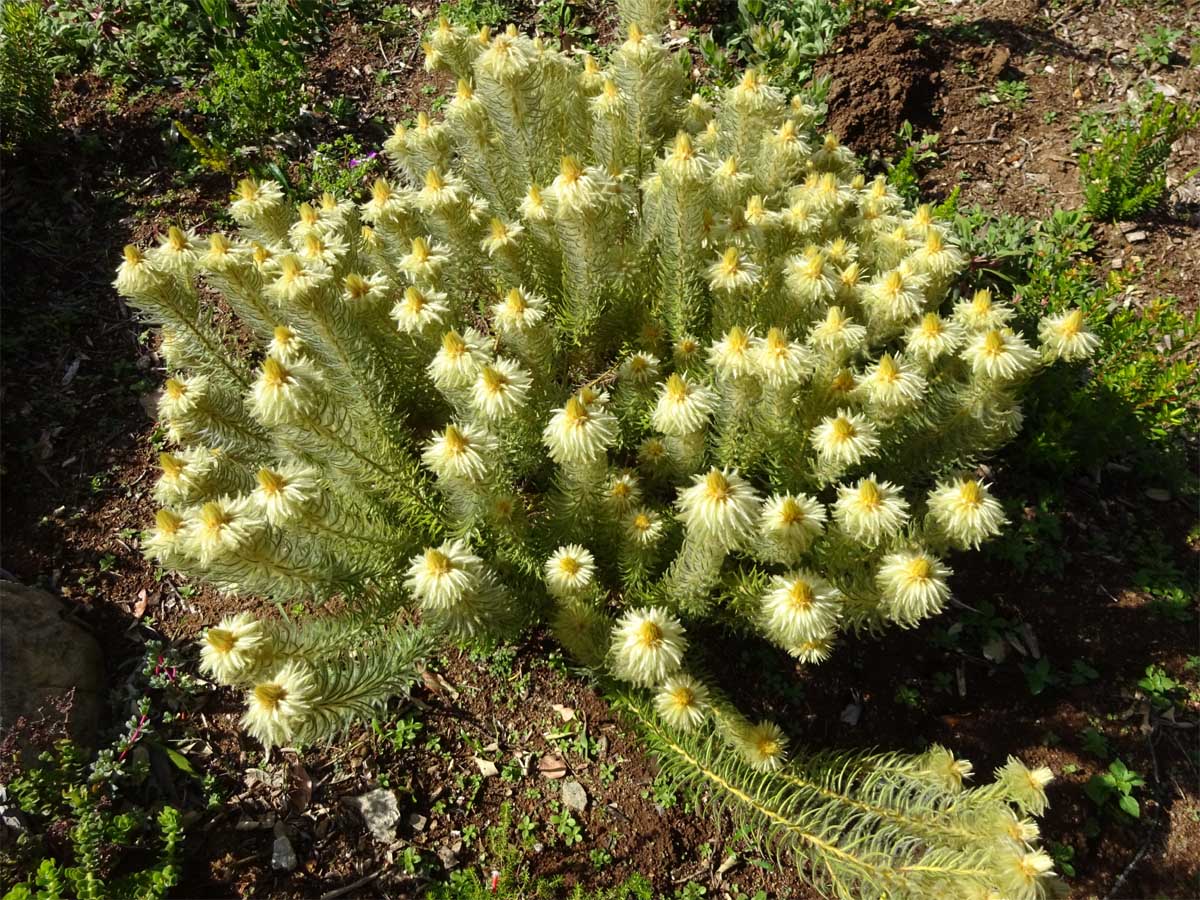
x=26, y=74
x=1126, y=175
x=696, y=369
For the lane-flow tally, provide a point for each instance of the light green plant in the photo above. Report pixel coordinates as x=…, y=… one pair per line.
x=26, y=74
x=610, y=358
x=1126, y=175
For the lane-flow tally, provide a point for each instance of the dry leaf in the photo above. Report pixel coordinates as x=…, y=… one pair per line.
x=566, y=712
x=139, y=608
x=552, y=766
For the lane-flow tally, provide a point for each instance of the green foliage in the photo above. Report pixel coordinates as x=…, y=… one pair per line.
x=1114, y=789
x=1158, y=46
x=62, y=791
x=342, y=167
x=26, y=74
x=1126, y=176
x=476, y=14
x=916, y=154
x=784, y=38
x=143, y=40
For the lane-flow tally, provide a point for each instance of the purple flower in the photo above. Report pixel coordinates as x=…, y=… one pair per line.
x=358, y=162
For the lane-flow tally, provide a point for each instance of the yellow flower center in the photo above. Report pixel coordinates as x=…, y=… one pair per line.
x=993, y=343
x=434, y=181
x=271, y=482
x=683, y=697
x=221, y=640
x=575, y=413
x=842, y=430
x=919, y=569
x=641, y=522
x=437, y=563
x=621, y=490
x=167, y=522
x=888, y=372
x=455, y=441
x=499, y=230
x=175, y=389
x=218, y=245
x=800, y=595
x=649, y=635
x=308, y=215
x=737, y=341
x=213, y=518
x=453, y=345
x=677, y=389
x=1072, y=324
x=494, y=381
x=570, y=170
x=176, y=239
x=791, y=513
x=869, y=495
x=731, y=262
x=683, y=147
x=275, y=374
x=570, y=566
x=970, y=494
x=290, y=269
x=420, y=251
x=270, y=696
x=931, y=325
x=716, y=486
x=357, y=287
x=133, y=256
x=381, y=191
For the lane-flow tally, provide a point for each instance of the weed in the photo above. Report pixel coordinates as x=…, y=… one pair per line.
x=916, y=155
x=1158, y=46
x=1115, y=787
x=1126, y=175
x=26, y=74
x=569, y=830
x=401, y=735
x=1013, y=93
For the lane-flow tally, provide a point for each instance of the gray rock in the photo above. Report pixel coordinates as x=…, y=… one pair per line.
x=283, y=854
x=380, y=812
x=43, y=656
x=574, y=796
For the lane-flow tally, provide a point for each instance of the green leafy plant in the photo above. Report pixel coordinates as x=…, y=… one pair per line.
x=26, y=74
x=1158, y=46
x=342, y=167
x=1126, y=175
x=916, y=154
x=1115, y=787
x=696, y=370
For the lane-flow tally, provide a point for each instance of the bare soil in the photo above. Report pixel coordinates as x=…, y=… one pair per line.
x=78, y=466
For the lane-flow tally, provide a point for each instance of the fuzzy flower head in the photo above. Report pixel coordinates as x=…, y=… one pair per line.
x=682, y=702
x=965, y=511
x=276, y=709
x=933, y=337
x=780, y=362
x=644, y=528
x=500, y=390
x=579, y=433
x=639, y=369
x=1064, y=336
x=460, y=451
x=800, y=607
x=222, y=528
x=570, y=571
x=999, y=354
x=1026, y=874
x=837, y=333
x=981, y=312
x=1024, y=786
x=732, y=272
x=720, y=506
x=913, y=585
x=441, y=576
x=945, y=769
x=732, y=356
x=764, y=746
x=458, y=360
x=230, y=649
x=424, y=260
x=623, y=491
x=870, y=511
x=648, y=645
x=890, y=384
x=845, y=439
x=285, y=392
x=420, y=309
x=684, y=406
x=790, y=523
x=165, y=542
x=286, y=492
x=519, y=312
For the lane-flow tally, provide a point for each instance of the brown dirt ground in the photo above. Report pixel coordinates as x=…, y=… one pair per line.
x=78, y=467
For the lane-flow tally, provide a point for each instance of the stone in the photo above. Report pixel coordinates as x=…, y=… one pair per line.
x=45, y=655
x=1135, y=237
x=380, y=812
x=574, y=796
x=283, y=854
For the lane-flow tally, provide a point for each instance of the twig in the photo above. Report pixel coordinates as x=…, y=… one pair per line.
x=990, y=139
x=362, y=882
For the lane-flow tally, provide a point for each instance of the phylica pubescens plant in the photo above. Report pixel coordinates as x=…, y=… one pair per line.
x=612, y=358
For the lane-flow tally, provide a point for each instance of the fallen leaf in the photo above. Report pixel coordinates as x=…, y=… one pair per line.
x=552, y=766
x=565, y=712
x=139, y=608
x=487, y=768
x=300, y=791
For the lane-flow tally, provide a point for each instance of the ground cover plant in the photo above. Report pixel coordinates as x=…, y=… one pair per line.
x=1075, y=646
x=757, y=479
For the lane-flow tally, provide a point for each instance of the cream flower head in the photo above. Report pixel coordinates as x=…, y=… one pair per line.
x=460, y=451
x=732, y=355
x=837, y=333
x=1065, y=336
x=780, y=362
x=684, y=406
x=458, y=360
x=500, y=390
x=644, y=527
x=286, y=492
x=891, y=384
x=420, y=309
x=790, y=523
x=965, y=511
x=440, y=576
x=1024, y=786
x=933, y=337
x=578, y=433
x=913, y=584
x=720, y=506
x=732, y=271
x=845, y=439
x=276, y=709
x=570, y=571
x=222, y=528
x=230, y=649
x=763, y=745
x=638, y=369
x=623, y=491
x=800, y=607
x=284, y=393
x=519, y=312
x=682, y=702
x=648, y=645
x=946, y=770
x=870, y=511
x=981, y=312
x=999, y=354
